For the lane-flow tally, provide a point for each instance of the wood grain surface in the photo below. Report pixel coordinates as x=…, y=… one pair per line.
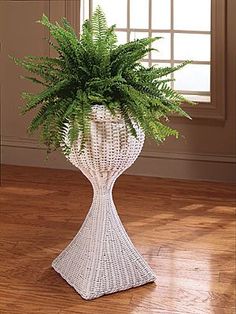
x=184, y=229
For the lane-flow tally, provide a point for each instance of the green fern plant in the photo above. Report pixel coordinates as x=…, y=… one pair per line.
x=94, y=69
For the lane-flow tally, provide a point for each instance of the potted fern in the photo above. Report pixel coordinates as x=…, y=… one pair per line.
x=97, y=105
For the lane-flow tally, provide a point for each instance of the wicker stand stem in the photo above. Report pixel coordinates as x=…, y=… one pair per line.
x=101, y=259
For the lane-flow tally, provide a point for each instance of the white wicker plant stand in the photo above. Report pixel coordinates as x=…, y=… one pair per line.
x=101, y=259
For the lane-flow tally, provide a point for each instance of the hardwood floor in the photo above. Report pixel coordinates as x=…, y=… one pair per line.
x=185, y=230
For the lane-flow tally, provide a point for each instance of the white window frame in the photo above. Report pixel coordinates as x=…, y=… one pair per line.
x=214, y=105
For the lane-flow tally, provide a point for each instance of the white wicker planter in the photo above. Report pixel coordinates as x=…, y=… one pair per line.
x=101, y=259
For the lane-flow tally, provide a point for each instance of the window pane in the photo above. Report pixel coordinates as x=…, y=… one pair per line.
x=116, y=12
x=198, y=98
x=138, y=13
x=84, y=13
x=121, y=37
x=160, y=64
x=192, y=47
x=145, y=64
x=138, y=35
x=161, y=14
x=195, y=77
x=192, y=15
x=162, y=45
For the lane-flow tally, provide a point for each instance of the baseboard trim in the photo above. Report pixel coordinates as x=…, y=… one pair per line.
x=27, y=152
x=203, y=170
x=11, y=141
x=189, y=156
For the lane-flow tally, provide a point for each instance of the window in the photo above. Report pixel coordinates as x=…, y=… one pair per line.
x=190, y=30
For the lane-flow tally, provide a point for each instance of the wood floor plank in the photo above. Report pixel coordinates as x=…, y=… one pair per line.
x=184, y=229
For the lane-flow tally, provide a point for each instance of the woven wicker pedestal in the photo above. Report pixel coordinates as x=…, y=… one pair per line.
x=101, y=259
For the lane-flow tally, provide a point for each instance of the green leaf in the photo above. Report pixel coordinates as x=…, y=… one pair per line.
x=94, y=69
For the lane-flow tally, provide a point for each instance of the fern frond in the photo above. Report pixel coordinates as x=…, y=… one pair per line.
x=44, y=95
x=95, y=70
